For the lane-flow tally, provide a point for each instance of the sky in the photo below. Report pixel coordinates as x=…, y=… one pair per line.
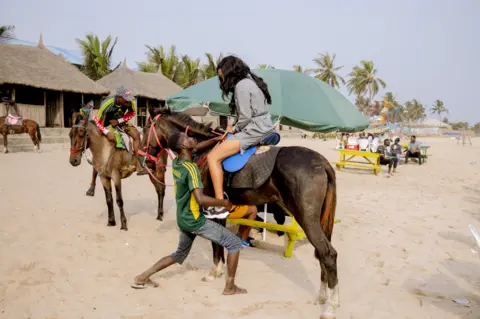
x=423, y=49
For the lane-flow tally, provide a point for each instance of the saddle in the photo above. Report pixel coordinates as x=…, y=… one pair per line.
x=14, y=120
x=252, y=168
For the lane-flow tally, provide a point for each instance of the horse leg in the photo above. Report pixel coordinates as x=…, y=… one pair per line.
x=91, y=190
x=5, y=143
x=117, y=181
x=312, y=200
x=33, y=136
x=158, y=181
x=159, y=188
x=107, y=187
x=218, y=259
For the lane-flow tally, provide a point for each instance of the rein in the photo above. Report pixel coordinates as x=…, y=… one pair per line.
x=155, y=159
x=76, y=150
x=150, y=157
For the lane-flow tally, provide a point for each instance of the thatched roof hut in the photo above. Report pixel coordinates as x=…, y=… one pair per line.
x=45, y=87
x=153, y=86
x=148, y=88
x=40, y=68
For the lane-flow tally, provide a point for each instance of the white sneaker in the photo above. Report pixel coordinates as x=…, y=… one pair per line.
x=216, y=212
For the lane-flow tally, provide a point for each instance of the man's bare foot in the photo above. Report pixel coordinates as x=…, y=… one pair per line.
x=234, y=291
x=142, y=284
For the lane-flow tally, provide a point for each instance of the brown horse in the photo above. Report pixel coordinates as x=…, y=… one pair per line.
x=28, y=126
x=111, y=163
x=302, y=179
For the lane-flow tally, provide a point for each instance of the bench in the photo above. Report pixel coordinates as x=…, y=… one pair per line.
x=372, y=160
x=293, y=232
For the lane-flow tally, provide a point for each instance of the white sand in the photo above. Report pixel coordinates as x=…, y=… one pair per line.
x=404, y=247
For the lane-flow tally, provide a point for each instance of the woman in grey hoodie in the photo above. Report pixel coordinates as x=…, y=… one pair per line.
x=249, y=98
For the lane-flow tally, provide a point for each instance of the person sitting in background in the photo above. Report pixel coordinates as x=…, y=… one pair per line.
x=413, y=150
x=385, y=157
x=396, y=151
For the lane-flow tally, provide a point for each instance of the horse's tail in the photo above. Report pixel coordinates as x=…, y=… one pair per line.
x=327, y=218
x=39, y=135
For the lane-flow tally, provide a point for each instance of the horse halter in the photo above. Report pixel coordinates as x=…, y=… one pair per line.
x=84, y=147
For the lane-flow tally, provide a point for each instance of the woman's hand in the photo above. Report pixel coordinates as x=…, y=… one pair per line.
x=230, y=129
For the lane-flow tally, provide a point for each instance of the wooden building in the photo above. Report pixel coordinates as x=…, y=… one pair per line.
x=46, y=88
x=148, y=88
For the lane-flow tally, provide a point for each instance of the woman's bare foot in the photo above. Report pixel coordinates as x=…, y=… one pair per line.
x=234, y=291
x=142, y=284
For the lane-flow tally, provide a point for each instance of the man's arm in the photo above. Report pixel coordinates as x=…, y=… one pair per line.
x=206, y=144
x=100, y=117
x=131, y=112
x=206, y=201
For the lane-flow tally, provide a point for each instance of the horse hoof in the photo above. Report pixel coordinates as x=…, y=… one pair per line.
x=111, y=223
x=90, y=193
x=160, y=218
x=5, y=151
x=208, y=278
x=124, y=228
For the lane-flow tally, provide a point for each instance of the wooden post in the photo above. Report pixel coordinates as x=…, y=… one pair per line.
x=62, y=111
x=13, y=94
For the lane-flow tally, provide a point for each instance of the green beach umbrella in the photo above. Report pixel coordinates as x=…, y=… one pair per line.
x=298, y=100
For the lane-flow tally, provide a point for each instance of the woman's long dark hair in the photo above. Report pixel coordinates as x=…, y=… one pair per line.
x=234, y=70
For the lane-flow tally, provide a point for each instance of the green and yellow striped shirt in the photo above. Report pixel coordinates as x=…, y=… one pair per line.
x=187, y=178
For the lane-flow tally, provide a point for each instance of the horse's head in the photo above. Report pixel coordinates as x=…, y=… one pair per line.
x=164, y=124
x=78, y=137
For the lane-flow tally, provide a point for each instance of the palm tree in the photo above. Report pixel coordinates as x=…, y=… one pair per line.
x=97, y=55
x=147, y=67
x=6, y=31
x=265, y=66
x=363, y=104
x=326, y=71
x=364, y=80
x=439, y=108
x=415, y=110
x=188, y=72
x=210, y=69
x=300, y=69
x=165, y=60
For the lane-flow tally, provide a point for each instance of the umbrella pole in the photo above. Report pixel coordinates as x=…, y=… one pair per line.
x=264, y=234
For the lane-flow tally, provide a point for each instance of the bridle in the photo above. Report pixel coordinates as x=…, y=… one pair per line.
x=152, y=158
x=85, y=141
x=155, y=159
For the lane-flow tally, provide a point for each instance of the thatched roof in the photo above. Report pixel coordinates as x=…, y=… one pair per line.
x=38, y=67
x=150, y=85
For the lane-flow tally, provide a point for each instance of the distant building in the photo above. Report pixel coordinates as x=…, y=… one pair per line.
x=45, y=86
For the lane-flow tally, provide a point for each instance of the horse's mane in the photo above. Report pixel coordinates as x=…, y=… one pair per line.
x=184, y=120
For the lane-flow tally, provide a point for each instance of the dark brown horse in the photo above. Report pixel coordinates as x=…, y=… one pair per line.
x=301, y=178
x=28, y=126
x=112, y=163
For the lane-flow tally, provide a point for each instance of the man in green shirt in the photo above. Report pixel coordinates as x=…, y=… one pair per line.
x=191, y=222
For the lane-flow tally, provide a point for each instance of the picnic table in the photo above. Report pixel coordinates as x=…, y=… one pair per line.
x=371, y=160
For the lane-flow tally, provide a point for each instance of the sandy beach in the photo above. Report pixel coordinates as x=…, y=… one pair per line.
x=404, y=247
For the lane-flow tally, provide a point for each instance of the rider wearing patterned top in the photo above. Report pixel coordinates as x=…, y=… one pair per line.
x=118, y=110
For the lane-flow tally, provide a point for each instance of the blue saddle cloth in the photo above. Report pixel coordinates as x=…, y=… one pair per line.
x=236, y=162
